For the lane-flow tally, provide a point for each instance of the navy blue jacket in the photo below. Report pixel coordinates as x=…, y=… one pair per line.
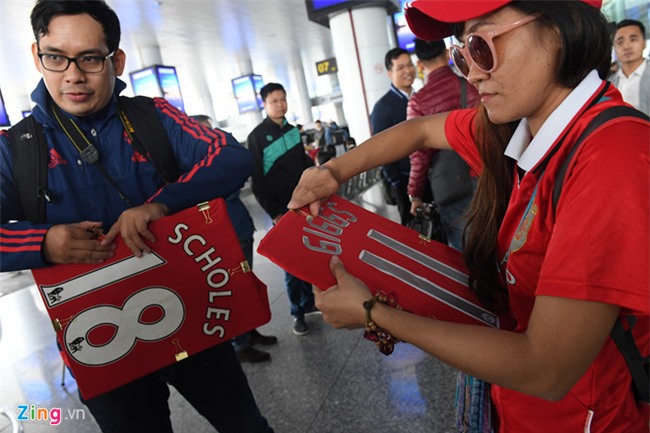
x=390, y=110
x=212, y=164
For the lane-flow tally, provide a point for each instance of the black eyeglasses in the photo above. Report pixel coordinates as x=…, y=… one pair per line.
x=88, y=64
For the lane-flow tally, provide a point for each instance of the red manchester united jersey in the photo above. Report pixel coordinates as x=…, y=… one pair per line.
x=130, y=316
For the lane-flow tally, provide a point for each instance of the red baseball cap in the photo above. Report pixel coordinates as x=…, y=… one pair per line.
x=432, y=19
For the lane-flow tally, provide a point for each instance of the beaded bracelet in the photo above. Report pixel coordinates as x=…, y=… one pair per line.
x=382, y=339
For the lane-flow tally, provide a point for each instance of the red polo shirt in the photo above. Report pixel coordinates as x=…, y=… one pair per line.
x=594, y=247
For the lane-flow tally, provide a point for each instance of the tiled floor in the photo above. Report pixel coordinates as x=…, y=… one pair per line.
x=328, y=381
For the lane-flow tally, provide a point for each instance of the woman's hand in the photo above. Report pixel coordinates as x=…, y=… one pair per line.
x=390, y=145
x=132, y=226
x=342, y=304
x=315, y=185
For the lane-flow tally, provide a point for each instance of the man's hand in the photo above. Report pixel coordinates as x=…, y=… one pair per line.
x=132, y=226
x=316, y=184
x=75, y=243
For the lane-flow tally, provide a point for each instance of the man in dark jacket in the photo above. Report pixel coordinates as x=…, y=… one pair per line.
x=391, y=110
x=77, y=52
x=280, y=159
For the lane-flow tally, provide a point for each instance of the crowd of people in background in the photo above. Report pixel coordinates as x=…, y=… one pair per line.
x=326, y=140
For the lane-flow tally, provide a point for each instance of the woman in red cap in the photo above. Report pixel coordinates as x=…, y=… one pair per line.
x=566, y=270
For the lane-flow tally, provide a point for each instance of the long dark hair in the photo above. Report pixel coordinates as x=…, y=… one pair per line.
x=586, y=45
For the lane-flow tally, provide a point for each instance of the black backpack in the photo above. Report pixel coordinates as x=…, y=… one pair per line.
x=148, y=137
x=623, y=338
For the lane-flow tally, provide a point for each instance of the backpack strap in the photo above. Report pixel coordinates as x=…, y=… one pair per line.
x=148, y=136
x=602, y=118
x=636, y=363
x=30, y=168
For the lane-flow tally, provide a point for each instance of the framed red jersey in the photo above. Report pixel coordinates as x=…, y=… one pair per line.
x=130, y=316
x=426, y=277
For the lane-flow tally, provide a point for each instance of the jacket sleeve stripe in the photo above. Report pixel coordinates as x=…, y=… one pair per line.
x=29, y=232
x=4, y=249
x=214, y=138
x=206, y=162
x=8, y=240
x=195, y=130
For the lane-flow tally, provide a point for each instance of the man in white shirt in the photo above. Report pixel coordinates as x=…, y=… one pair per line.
x=633, y=77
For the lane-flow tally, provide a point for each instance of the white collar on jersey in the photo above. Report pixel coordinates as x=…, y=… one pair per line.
x=528, y=153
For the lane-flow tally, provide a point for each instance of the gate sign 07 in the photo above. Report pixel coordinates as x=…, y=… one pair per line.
x=130, y=316
x=426, y=277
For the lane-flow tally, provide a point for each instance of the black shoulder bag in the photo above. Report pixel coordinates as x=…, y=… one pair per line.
x=449, y=173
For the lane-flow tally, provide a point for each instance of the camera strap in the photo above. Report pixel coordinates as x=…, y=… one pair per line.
x=86, y=149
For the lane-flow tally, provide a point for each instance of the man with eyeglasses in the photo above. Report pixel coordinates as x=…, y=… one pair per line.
x=77, y=52
x=87, y=63
x=390, y=110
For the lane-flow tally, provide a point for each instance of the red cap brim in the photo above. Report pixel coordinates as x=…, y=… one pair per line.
x=432, y=20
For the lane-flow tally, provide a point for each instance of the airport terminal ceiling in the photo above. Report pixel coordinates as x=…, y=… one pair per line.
x=208, y=41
